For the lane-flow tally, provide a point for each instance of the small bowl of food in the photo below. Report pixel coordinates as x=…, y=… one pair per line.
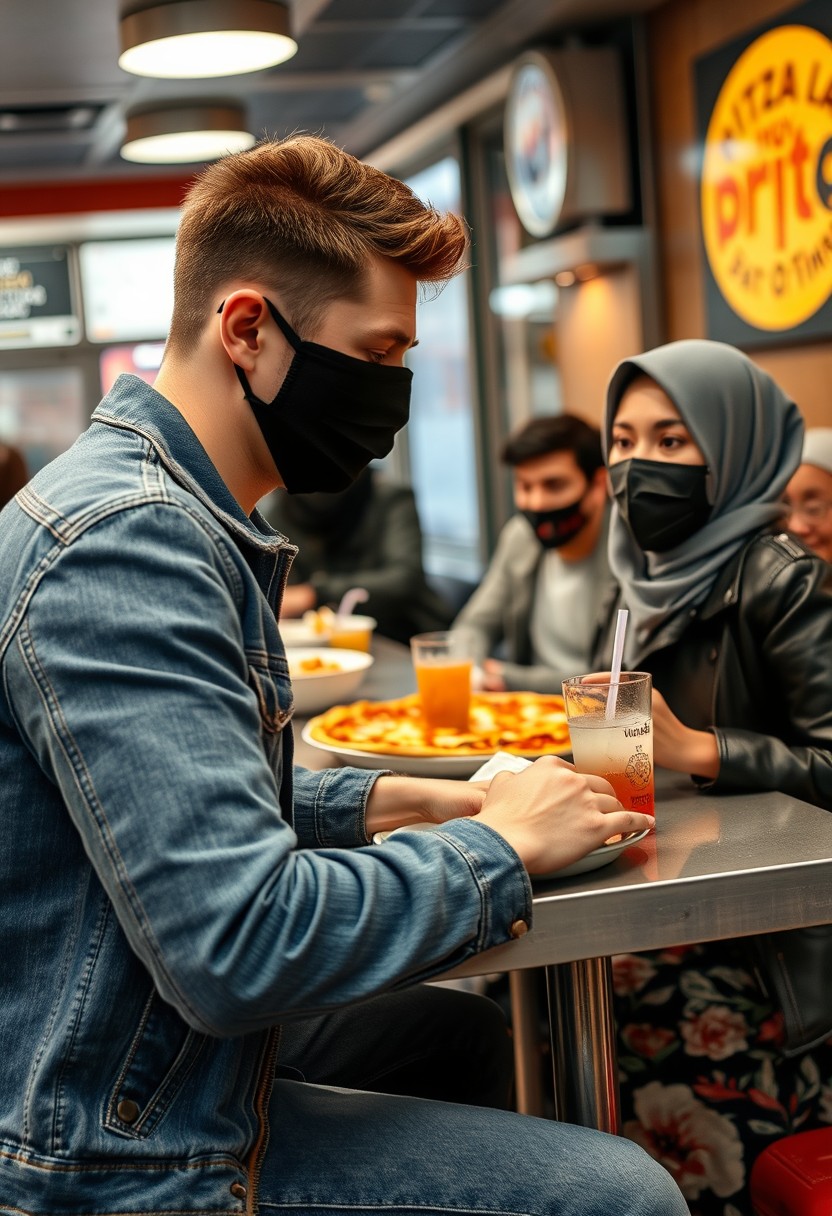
x=323, y=678
x=321, y=627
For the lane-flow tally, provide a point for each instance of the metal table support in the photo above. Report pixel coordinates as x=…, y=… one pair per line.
x=584, y=1056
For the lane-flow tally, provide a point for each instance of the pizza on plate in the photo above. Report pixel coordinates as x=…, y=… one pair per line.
x=525, y=723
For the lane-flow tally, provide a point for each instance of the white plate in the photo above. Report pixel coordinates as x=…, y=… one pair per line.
x=593, y=861
x=414, y=766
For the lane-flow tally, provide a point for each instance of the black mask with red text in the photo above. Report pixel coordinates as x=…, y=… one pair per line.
x=558, y=526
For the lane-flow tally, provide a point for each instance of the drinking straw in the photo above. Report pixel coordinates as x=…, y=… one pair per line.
x=356, y=595
x=617, y=655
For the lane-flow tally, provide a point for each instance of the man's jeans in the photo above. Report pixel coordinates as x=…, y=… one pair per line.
x=354, y=1152
x=365, y=1152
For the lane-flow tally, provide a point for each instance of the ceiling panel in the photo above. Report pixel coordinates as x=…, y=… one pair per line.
x=365, y=69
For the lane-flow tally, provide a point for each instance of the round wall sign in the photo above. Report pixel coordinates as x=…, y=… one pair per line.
x=536, y=144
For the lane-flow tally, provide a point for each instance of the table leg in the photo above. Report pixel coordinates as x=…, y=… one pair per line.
x=583, y=1043
x=525, y=990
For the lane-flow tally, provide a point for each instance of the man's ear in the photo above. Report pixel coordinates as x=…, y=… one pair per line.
x=600, y=482
x=243, y=317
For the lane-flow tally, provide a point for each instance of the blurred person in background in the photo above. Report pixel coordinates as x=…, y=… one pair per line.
x=809, y=493
x=733, y=619
x=367, y=536
x=540, y=596
x=13, y=472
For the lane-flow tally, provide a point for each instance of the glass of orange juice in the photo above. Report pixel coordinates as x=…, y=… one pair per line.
x=352, y=632
x=443, y=665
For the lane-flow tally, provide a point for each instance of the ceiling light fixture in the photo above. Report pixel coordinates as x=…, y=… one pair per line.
x=200, y=38
x=181, y=134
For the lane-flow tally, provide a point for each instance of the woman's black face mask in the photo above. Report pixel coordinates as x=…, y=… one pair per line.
x=332, y=415
x=662, y=503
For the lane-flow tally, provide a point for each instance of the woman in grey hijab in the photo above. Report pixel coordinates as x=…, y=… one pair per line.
x=731, y=615
x=733, y=618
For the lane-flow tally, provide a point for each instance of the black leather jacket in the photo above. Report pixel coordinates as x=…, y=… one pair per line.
x=755, y=666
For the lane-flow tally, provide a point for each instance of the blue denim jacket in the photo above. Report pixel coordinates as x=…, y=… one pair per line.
x=166, y=896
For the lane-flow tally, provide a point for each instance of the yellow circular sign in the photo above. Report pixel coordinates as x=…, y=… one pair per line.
x=766, y=193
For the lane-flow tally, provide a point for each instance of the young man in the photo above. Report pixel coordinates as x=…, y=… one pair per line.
x=809, y=493
x=170, y=891
x=549, y=572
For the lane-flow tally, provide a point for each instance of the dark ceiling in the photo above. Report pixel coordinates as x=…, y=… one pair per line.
x=365, y=70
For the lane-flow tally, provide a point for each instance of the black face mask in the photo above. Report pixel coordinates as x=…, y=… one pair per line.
x=661, y=503
x=332, y=415
x=558, y=526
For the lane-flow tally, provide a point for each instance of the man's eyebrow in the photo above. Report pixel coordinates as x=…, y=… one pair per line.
x=398, y=336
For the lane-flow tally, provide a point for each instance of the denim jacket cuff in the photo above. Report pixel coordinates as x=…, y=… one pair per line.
x=330, y=805
x=501, y=877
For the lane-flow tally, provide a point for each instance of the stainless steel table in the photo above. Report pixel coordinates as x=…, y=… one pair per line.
x=716, y=867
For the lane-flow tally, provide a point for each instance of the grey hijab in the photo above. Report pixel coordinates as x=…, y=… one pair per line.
x=750, y=434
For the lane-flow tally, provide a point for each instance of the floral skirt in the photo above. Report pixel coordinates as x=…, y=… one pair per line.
x=704, y=1085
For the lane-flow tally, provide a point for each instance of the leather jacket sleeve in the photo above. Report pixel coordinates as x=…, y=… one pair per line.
x=784, y=644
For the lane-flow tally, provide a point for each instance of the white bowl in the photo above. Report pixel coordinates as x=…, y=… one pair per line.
x=316, y=691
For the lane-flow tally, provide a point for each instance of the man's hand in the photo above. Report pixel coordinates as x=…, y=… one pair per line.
x=297, y=599
x=680, y=748
x=396, y=801
x=552, y=816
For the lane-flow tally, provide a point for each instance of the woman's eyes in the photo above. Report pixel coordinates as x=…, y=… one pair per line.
x=669, y=443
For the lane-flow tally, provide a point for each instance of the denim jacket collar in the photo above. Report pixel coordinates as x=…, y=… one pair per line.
x=135, y=405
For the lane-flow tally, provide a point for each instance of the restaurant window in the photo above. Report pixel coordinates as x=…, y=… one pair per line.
x=441, y=439
x=526, y=313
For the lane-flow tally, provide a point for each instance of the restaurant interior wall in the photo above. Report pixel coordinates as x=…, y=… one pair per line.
x=538, y=361
x=679, y=31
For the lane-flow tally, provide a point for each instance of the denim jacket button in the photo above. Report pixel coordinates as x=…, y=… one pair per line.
x=127, y=1110
x=238, y=1190
x=518, y=928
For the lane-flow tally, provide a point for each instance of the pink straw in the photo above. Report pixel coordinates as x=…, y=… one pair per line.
x=356, y=595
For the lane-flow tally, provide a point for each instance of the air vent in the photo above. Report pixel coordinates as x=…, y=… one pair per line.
x=30, y=120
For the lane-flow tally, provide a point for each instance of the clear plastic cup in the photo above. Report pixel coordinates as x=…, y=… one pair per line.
x=611, y=728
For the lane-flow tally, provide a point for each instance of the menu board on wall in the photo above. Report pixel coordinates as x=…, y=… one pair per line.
x=127, y=286
x=35, y=298
x=764, y=109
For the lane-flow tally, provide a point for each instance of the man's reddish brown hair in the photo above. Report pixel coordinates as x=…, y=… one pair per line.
x=306, y=216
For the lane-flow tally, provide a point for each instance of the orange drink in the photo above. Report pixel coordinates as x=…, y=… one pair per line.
x=353, y=633
x=443, y=665
x=445, y=693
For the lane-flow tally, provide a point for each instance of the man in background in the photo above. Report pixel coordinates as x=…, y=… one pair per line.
x=809, y=493
x=367, y=536
x=539, y=598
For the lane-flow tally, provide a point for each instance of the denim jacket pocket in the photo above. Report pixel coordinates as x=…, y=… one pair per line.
x=163, y=1052
x=274, y=695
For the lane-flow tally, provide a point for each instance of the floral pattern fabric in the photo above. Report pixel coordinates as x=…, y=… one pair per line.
x=704, y=1085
